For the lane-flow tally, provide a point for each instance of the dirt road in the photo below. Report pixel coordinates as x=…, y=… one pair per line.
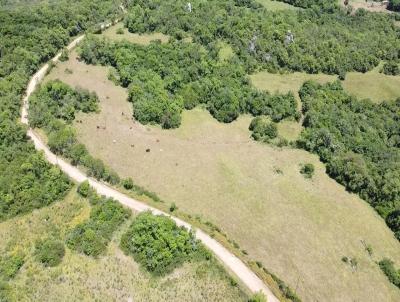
x=233, y=263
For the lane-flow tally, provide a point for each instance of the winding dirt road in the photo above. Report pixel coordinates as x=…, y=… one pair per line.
x=248, y=277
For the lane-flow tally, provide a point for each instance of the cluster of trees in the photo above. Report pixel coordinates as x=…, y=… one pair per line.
x=92, y=236
x=387, y=266
x=53, y=107
x=164, y=79
x=57, y=100
x=321, y=40
x=158, y=244
x=359, y=141
x=29, y=36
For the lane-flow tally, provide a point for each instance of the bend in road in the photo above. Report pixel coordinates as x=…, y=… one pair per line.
x=247, y=276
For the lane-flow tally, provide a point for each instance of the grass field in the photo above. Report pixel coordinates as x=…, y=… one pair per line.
x=299, y=228
x=275, y=5
x=373, y=84
x=144, y=39
x=113, y=277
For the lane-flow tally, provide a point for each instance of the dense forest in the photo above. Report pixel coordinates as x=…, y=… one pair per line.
x=29, y=36
x=310, y=40
x=185, y=75
x=359, y=141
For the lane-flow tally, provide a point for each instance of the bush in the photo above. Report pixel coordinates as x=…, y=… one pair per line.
x=307, y=170
x=258, y=297
x=158, y=244
x=120, y=31
x=10, y=265
x=84, y=189
x=64, y=55
x=391, y=68
x=49, y=252
x=387, y=266
x=263, y=129
x=128, y=183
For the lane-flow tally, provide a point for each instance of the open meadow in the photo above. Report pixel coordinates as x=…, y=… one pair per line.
x=298, y=228
x=112, y=277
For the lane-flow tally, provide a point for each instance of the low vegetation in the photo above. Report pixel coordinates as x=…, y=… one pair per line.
x=49, y=251
x=358, y=140
x=387, y=267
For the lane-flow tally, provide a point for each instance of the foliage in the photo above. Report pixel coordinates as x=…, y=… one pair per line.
x=326, y=38
x=258, y=297
x=263, y=129
x=359, y=141
x=387, y=266
x=92, y=236
x=394, y=5
x=29, y=36
x=391, y=68
x=307, y=170
x=49, y=252
x=64, y=55
x=184, y=76
x=10, y=265
x=158, y=244
x=53, y=107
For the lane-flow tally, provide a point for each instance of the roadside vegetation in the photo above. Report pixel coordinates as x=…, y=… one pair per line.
x=25, y=277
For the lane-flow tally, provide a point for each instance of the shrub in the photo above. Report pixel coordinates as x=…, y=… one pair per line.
x=307, y=170
x=64, y=55
x=10, y=265
x=49, y=252
x=84, y=189
x=258, y=297
x=128, y=183
x=391, y=68
x=173, y=207
x=158, y=244
x=120, y=31
x=263, y=129
x=387, y=266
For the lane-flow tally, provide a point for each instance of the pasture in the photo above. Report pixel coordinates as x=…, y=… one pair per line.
x=298, y=228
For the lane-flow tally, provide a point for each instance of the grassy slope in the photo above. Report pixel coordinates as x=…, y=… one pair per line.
x=298, y=228
x=114, y=277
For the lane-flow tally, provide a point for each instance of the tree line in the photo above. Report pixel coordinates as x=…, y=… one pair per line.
x=360, y=143
x=310, y=40
x=164, y=79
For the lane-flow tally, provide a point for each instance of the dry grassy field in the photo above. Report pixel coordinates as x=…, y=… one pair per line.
x=299, y=228
x=373, y=84
x=113, y=277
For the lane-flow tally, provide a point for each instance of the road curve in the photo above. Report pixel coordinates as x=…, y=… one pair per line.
x=247, y=276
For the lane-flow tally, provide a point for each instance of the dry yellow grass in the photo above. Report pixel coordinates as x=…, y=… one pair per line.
x=373, y=85
x=143, y=39
x=113, y=277
x=300, y=229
